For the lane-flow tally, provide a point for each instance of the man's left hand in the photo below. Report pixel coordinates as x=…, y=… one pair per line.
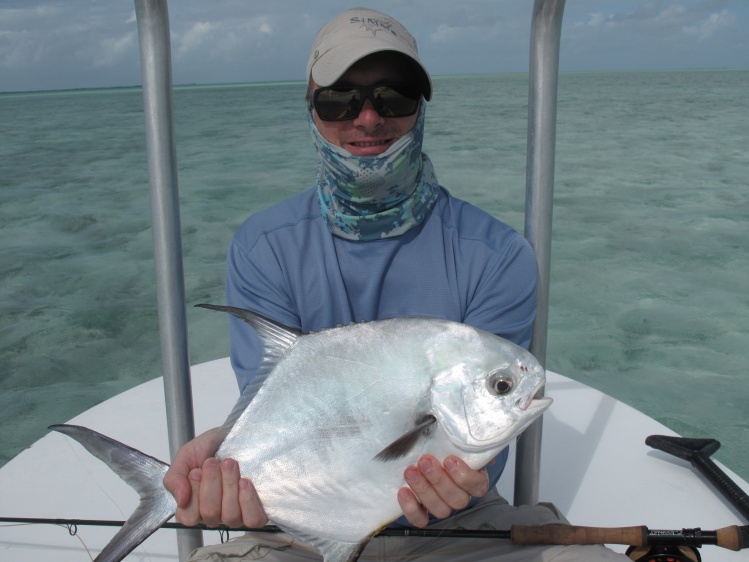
x=439, y=488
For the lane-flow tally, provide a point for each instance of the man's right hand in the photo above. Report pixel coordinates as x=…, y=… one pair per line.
x=210, y=491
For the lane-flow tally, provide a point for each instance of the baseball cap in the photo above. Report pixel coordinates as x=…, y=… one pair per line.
x=353, y=35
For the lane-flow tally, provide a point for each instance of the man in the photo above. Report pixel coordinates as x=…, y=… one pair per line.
x=377, y=237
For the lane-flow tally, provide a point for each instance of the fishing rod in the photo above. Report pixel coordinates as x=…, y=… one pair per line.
x=732, y=538
x=645, y=544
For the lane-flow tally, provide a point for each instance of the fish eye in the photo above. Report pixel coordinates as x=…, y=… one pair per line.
x=501, y=385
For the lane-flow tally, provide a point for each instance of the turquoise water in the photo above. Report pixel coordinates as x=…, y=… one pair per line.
x=650, y=273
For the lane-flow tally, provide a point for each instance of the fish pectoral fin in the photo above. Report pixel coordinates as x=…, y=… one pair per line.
x=405, y=443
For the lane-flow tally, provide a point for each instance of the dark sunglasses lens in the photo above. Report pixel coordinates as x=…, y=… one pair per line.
x=337, y=105
x=342, y=104
x=396, y=101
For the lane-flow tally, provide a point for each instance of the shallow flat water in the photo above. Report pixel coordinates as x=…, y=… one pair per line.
x=649, y=295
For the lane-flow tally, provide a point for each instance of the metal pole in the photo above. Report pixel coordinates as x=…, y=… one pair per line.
x=546, y=28
x=155, y=56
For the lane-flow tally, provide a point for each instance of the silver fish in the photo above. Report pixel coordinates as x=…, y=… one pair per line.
x=334, y=418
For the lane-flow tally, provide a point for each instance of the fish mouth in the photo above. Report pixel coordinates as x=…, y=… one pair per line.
x=537, y=406
x=535, y=400
x=533, y=406
x=526, y=410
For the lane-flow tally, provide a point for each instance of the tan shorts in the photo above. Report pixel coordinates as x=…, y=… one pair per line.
x=493, y=512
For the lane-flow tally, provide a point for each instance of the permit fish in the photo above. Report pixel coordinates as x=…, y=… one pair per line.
x=333, y=418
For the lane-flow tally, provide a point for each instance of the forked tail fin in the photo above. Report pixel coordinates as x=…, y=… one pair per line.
x=143, y=473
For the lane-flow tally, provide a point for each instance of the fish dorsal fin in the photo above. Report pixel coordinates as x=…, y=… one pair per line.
x=276, y=339
x=406, y=442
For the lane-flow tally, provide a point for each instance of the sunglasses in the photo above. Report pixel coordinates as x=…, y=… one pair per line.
x=342, y=103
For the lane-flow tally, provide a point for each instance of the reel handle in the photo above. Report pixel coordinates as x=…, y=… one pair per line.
x=573, y=534
x=731, y=538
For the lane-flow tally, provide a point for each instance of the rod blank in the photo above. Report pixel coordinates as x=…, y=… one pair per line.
x=731, y=538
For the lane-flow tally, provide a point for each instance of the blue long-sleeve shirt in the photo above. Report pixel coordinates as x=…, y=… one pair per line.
x=459, y=264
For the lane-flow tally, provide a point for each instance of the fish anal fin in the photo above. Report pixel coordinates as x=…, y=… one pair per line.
x=334, y=551
x=343, y=552
x=406, y=442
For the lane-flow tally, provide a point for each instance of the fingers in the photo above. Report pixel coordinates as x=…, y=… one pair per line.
x=219, y=496
x=190, y=457
x=253, y=515
x=231, y=512
x=474, y=482
x=240, y=504
x=189, y=514
x=438, y=489
x=176, y=480
x=434, y=488
x=415, y=513
x=211, y=493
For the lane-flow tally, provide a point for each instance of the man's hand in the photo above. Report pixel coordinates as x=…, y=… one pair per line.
x=210, y=491
x=439, y=488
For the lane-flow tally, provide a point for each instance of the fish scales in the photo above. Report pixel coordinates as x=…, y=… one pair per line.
x=350, y=392
x=311, y=436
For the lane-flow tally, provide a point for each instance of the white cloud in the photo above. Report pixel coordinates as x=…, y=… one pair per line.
x=673, y=14
x=16, y=47
x=47, y=44
x=195, y=37
x=112, y=49
x=445, y=33
x=21, y=41
x=596, y=19
x=469, y=32
x=649, y=13
x=210, y=39
x=33, y=14
x=714, y=23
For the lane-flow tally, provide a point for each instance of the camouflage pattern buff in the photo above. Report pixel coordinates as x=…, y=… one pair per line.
x=374, y=197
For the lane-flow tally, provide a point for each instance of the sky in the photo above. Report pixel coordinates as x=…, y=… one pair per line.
x=68, y=44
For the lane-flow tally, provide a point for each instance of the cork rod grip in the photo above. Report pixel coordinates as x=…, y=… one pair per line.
x=733, y=537
x=571, y=534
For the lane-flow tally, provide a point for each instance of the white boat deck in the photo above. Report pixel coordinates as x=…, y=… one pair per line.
x=595, y=467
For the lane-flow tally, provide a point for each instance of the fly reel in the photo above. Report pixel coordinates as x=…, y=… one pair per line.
x=664, y=554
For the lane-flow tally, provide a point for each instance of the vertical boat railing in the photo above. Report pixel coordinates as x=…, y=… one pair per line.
x=153, y=30
x=155, y=56
x=546, y=28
